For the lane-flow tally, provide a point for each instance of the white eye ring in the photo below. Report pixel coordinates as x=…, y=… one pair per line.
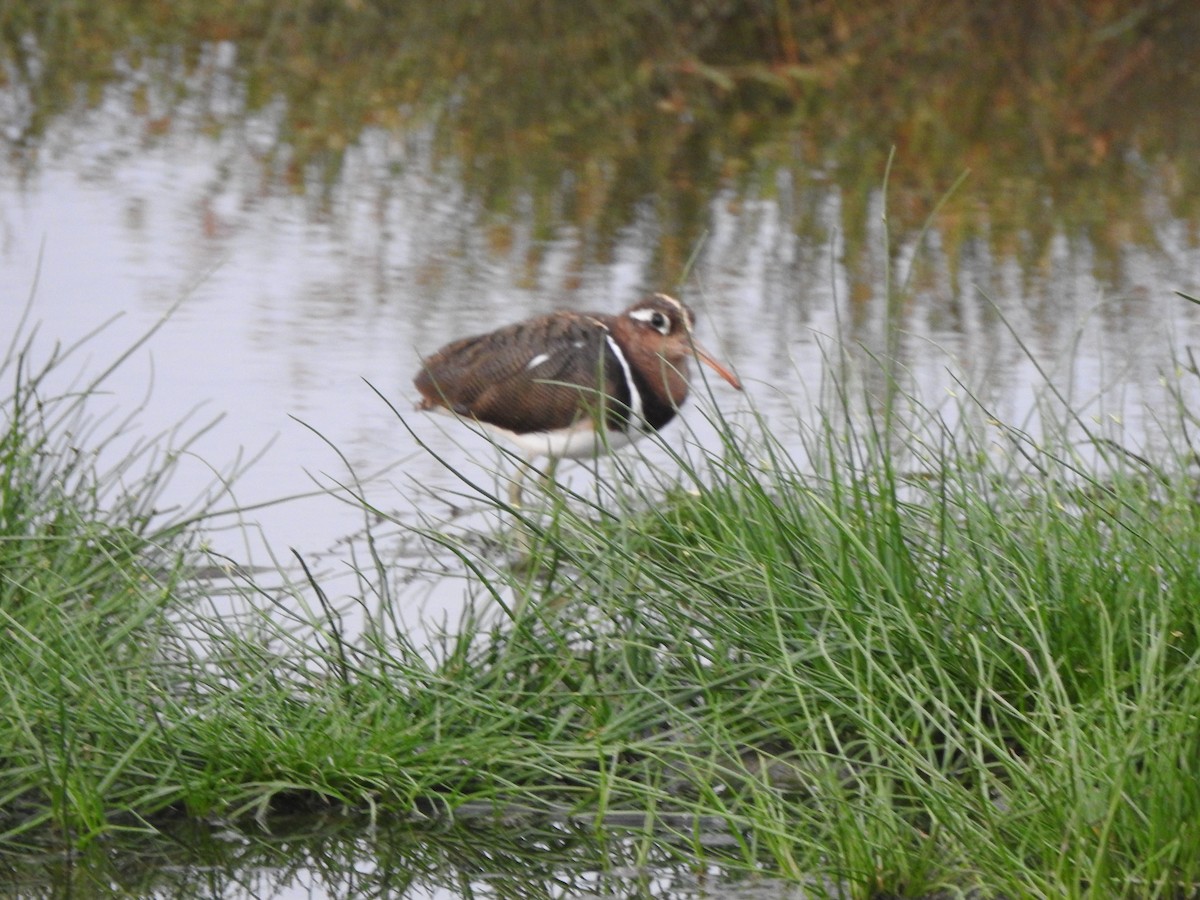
x=656, y=319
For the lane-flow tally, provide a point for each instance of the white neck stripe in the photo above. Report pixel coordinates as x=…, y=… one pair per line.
x=635, y=398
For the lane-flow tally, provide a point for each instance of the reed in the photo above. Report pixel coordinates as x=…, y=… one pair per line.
x=925, y=654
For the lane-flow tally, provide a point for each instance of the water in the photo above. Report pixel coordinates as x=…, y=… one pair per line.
x=333, y=857
x=284, y=312
x=284, y=306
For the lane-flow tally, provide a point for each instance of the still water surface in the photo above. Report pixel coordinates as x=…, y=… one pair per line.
x=284, y=310
x=287, y=309
x=322, y=857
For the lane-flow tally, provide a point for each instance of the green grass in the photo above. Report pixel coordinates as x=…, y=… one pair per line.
x=86, y=581
x=906, y=660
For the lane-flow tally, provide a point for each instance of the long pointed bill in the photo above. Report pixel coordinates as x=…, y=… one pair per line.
x=709, y=360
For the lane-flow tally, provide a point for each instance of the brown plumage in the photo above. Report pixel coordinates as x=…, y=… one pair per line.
x=547, y=383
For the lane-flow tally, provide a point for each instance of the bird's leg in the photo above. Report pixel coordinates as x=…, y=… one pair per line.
x=516, y=485
x=548, y=475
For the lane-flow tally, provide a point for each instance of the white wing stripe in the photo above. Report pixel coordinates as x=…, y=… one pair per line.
x=537, y=361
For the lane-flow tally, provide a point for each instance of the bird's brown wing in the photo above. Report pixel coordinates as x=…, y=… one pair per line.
x=524, y=377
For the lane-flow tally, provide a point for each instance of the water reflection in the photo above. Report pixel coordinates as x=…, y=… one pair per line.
x=1067, y=118
x=336, y=856
x=287, y=301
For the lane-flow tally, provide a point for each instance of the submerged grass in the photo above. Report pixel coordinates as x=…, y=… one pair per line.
x=951, y=655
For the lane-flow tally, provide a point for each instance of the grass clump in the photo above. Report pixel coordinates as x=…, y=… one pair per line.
x=932, y=658
x=904, y=657
x=89, y=570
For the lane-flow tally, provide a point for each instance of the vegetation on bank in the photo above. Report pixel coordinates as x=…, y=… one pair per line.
x=908, y=657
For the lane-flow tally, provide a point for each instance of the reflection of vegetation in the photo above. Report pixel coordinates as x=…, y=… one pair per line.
x=1068, y=113
x=338, y=855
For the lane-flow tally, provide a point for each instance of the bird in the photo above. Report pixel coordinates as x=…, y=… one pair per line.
x=570, y=384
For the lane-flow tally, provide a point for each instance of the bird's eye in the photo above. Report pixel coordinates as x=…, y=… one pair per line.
x=657, y=319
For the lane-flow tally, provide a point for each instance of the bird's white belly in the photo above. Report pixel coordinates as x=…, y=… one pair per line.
x=579, y=442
